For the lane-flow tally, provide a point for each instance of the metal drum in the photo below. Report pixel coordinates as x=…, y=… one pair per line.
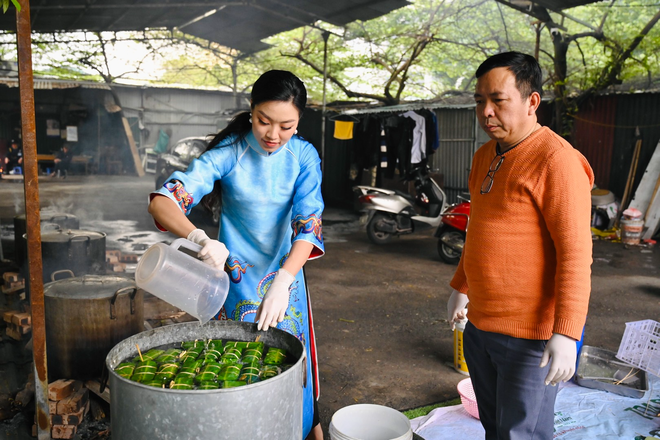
x=270, y=409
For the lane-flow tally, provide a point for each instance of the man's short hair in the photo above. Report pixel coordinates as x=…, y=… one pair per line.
x=525, y=68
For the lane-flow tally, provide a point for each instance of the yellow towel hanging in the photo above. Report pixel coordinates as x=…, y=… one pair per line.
x=343, y=130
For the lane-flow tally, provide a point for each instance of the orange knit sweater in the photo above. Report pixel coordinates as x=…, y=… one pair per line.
x=526, y=265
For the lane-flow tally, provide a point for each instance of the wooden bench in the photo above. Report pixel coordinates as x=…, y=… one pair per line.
x=78, y=160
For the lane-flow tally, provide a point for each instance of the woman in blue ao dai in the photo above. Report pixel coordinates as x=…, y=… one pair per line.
x=270, y=187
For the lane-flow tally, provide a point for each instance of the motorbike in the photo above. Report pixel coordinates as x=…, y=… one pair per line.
x=452, y=230
x=393, y=213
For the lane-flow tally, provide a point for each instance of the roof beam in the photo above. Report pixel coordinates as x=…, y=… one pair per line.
x=139, y=5
x=82, y=13
x=121, y=16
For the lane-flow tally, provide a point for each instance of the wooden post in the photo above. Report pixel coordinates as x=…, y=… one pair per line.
x=32, y=216
x=134, y=150
x=630, y=181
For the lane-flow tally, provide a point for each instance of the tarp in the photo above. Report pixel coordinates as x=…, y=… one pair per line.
x=580, y=413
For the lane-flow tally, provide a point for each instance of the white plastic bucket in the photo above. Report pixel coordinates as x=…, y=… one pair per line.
x=369, y=422
x=182, y=280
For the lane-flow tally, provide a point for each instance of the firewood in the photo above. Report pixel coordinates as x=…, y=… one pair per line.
x=24, y=397
x=98, y=413
x=95, y=387
x=5, y=401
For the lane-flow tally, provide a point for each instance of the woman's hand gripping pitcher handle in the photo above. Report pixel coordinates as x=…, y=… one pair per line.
x=213, y=252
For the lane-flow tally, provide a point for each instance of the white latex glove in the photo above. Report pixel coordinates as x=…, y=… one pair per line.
x=456, y=307
x=275, y=302
x=561, y=351
x=213, y=253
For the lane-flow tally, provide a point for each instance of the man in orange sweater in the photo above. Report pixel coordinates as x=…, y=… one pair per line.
x=526, y=264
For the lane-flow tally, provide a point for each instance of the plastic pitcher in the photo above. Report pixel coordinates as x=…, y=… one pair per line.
x=174, y=275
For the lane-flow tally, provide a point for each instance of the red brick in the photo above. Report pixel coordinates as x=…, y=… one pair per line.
x=63, y=431
x=13, y=333
x=76, y=418
x=56, y=419
x=21, y=318
x=10, y=277
x=52, y=406
x=74, y=402
x=62, y=388
x=7, y=316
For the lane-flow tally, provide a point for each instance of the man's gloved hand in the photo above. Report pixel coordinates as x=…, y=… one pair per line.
x=213, y=253
x=456, y=307
x=275, y=302
x=561, y=351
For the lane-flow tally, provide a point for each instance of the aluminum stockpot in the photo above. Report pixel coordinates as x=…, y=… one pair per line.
x=85, y=318
x=48, y=220
x=76, y=250
x=271, y=409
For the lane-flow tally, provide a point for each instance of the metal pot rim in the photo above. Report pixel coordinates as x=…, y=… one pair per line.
x=66, y=235
x=293, y=370
x=87, y=286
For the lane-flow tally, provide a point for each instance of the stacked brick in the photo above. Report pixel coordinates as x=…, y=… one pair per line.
x=19, y=324
x=68, y=403
x=118, y=261
x=13, y=284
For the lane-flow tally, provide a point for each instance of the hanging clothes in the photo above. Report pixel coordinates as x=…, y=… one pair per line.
x=399, y=141
x=432, y=132
x=366, y=142
x=343, y=130
x=418, y=151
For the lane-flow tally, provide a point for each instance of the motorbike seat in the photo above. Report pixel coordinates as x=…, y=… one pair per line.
x=405, y=195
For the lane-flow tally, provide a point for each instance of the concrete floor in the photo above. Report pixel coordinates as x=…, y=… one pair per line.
x=380, y=312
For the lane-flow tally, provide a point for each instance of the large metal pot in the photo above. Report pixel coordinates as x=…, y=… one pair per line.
x=48, y=221
x=85, y=318
x=76, y=250
x=270, y=409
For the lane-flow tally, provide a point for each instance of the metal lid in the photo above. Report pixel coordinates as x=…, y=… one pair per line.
x=50, y=216
x=88, y=287
x=66, y=235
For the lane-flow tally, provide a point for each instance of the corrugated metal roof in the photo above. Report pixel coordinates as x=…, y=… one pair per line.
x=237, y=24
x=51, y=84
x=405, y=107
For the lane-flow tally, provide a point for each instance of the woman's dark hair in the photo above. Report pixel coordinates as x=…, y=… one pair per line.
x=274, y=85
x=525, y=68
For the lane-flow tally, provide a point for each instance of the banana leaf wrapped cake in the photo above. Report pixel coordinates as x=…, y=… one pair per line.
x=205, y=365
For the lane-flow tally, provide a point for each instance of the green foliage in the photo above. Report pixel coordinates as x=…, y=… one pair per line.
x=426, y=50
x=5, y=5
